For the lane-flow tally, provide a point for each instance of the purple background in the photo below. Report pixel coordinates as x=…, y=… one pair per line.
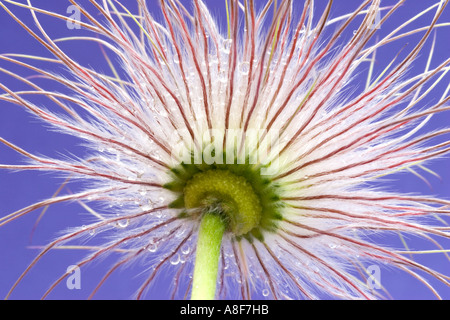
x=24, y=188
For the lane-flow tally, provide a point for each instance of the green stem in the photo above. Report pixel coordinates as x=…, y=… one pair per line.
x=206, y=267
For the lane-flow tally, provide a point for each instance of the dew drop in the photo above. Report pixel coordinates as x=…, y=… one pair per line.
x=152, y=247
x=226, y=45
x=180, y=233
x=92, y=232
x=123, y=223
x=175, y=259
x=355, y=31
x=265, y=292
x=244, y=68
x=147, y=208
x=185, y=249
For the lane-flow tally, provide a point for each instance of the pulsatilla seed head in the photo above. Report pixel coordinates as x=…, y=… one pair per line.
x=304, y=208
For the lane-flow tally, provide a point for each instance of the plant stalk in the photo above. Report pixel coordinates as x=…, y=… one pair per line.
x=206, y=267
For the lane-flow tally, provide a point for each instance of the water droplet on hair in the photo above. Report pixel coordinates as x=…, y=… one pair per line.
x=175, y=259
x=355, y=31
x=244, y=68
x=226, y=46
x=180, y=233
x=152, y=247
x=265, y=292
x=92, y=232
x=185, y=249
x=148, y=206
x=123, y=223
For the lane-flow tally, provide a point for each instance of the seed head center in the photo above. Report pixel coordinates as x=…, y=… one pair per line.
x=248, y=201
x=227, y=193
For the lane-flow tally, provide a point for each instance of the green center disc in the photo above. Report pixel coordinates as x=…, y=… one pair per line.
x=231, y=194
x=248, y=201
